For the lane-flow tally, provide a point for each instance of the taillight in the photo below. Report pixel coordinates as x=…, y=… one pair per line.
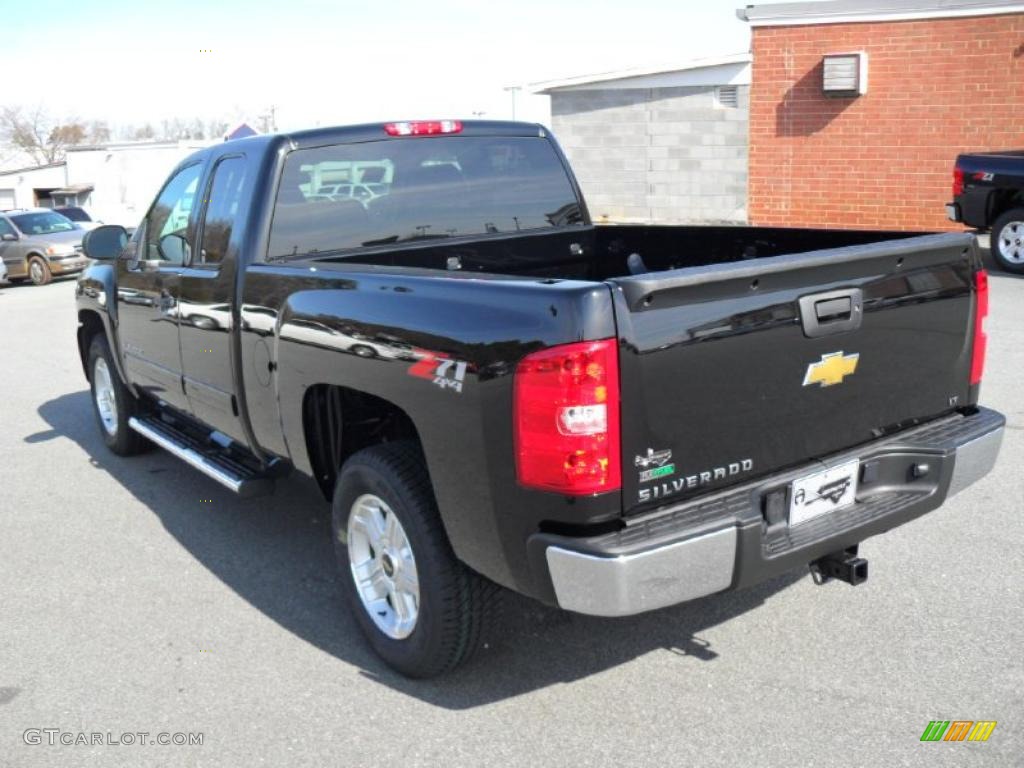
x=567, y=419
x=980, y=337
x=423, y=128
x=958, y=181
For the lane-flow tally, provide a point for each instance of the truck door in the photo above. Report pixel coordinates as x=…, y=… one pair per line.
x=206, y=310
x=148, y=290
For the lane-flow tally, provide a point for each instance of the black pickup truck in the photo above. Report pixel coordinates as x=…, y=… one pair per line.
x=988, y=193
x=492, y=391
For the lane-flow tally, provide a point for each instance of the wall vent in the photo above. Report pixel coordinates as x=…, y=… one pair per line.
x=845, y=74
x=727, y=97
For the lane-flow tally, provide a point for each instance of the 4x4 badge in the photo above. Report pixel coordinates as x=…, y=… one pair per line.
x=442, y=371
x=654, y=465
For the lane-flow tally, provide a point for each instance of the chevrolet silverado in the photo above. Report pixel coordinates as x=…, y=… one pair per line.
x=494, y=392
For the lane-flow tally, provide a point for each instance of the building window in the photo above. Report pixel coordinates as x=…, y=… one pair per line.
x=727, y=97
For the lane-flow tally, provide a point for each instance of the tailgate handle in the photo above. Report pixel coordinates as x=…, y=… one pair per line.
x=824, y=314
x=833, y=309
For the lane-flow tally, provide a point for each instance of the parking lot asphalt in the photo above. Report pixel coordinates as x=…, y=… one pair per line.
x=136, y=595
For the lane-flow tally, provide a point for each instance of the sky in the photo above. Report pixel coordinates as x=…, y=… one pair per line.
x=330, y=63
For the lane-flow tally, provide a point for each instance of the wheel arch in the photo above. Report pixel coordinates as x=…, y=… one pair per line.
x=90, y=325
x=33, y=255
x=338, y=421
x=95, y=297
x=1002, y=200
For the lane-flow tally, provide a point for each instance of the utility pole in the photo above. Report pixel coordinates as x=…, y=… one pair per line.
x=513, y=89
x=268, y=120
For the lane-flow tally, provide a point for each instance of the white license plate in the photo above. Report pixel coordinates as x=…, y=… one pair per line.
x=823, y=492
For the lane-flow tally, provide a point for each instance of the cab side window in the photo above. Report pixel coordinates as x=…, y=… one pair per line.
x=5, y=227
x=222, y=209
x=169, y=216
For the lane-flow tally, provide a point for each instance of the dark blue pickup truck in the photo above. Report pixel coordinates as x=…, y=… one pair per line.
x=988, y=193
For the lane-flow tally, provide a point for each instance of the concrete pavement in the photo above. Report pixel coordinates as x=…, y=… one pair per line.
x=137, y=595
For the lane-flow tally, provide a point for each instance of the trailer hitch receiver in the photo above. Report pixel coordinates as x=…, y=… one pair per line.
x=843, y=565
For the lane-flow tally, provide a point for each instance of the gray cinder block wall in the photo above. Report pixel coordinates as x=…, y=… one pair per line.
x=657, y=154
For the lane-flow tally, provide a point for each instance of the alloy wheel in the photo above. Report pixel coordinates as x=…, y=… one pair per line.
x=1011, y=242
x=383, y=566
x=103, y=393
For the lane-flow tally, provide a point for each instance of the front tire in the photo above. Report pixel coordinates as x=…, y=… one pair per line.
x=1007, y=241
x=362, y=350
x=112, y=403
x=39, y=271
x=422, y=611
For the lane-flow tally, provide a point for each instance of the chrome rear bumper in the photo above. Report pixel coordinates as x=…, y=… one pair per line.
x=623, y=574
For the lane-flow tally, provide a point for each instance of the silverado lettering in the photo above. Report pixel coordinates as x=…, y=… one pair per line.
x=696, y=481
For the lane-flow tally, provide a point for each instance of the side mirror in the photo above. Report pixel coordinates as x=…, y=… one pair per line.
x=105, y=243
x=8, y=237
x=174, y=248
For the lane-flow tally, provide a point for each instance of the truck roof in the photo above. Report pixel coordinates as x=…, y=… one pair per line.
x=998, y=153
x=312, y=137
x=370, y=131
x=341, y=134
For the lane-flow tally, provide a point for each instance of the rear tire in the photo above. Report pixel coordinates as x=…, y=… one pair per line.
x=39, y=271
x=450, y=606
x=1007, y=241
x=112, y=403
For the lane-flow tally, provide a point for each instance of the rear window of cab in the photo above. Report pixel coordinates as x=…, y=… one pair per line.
x=380, y=193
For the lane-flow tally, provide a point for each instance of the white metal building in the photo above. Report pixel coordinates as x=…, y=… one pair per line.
x=664, y=144
x=115, y=182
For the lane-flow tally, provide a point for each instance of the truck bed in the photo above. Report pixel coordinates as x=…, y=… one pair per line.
x=602, y=252
x=716, y=349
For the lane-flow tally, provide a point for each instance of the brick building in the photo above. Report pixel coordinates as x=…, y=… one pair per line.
x=665, y=145
x=858, y=108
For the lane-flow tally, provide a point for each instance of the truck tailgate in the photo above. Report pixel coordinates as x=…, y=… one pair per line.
x=734, y=371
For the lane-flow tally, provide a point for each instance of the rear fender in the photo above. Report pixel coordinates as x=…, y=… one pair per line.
x=443, y=353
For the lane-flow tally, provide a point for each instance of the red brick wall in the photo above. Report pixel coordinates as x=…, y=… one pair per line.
x=884, y=159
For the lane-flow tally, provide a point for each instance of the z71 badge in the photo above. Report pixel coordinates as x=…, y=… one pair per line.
x=441, y=371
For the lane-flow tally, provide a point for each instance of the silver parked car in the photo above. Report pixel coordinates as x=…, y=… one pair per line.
x=38, y=243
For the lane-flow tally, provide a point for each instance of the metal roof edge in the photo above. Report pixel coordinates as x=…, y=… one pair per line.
x=546, y=86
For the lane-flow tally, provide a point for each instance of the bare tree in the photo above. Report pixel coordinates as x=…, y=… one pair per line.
x=99, y=132
x=44, y=139
x=38, y=135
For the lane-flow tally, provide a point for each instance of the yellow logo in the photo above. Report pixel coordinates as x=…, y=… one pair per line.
x=831, y=369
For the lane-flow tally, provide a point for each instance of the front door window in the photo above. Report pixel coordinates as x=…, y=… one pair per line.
x=170, y=216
